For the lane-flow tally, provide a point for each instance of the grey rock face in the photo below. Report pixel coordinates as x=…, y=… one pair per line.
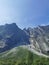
x=39, y=38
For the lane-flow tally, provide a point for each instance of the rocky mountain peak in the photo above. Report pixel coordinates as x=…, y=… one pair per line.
x=11, y=35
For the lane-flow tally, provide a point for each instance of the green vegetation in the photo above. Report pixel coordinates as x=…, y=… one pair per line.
x=22, y=57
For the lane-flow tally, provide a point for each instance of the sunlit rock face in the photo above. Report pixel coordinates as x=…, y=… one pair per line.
x=39, y=38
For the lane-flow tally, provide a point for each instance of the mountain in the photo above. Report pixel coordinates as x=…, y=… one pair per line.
x=39, y=38
x=24, y=47
x=11, y=35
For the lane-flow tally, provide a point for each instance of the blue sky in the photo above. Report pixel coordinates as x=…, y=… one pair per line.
x=25, y=13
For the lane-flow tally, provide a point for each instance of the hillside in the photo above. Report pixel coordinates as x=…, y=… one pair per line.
x=21, y=56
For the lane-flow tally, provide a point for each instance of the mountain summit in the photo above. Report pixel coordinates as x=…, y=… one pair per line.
x=11, y=35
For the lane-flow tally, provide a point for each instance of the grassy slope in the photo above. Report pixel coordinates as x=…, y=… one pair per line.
x=22, y=56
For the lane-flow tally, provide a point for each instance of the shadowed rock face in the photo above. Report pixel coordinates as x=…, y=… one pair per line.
x=11, y=35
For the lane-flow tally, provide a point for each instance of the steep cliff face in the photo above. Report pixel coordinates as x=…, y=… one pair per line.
x=39, y=38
